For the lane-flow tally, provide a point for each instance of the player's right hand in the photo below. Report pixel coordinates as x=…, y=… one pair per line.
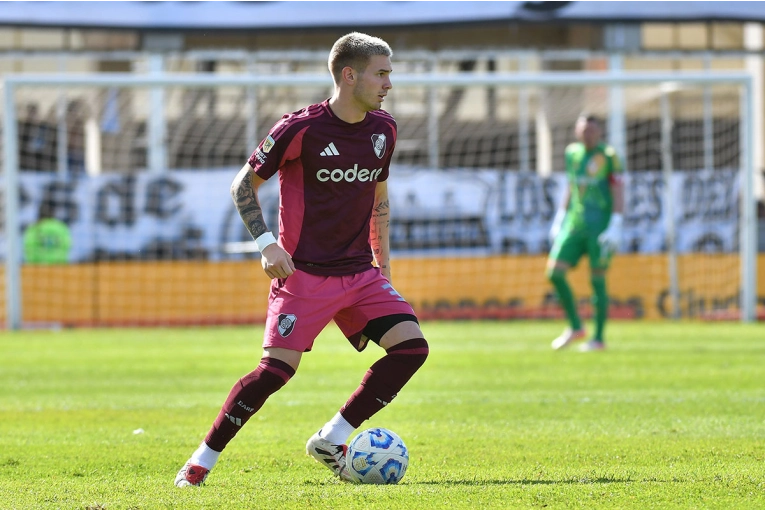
x=276, y=262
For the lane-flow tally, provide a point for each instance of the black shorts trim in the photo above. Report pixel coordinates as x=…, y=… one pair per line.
x=376, y=328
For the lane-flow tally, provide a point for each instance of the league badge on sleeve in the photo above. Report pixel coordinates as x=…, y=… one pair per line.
x=267, y=144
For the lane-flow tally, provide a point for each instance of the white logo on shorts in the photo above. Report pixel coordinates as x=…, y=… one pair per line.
x=392, y=291
x=286, y=323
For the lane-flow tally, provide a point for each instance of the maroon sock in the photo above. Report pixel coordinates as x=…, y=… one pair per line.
x=384, y=380
x=246, y=397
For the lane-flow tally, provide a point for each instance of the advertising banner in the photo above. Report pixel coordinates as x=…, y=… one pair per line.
x=190, y=214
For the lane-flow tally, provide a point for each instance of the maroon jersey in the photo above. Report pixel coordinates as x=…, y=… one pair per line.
x=328, y=172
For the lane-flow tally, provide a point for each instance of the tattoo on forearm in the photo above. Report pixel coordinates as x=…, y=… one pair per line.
x=379, y=215
x=246, y=202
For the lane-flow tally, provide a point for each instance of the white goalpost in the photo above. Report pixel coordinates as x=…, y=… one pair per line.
x=164, y=160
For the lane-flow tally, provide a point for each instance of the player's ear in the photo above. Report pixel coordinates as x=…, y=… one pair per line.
x=349, y=75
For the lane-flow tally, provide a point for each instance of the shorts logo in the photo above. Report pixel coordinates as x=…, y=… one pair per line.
x=286, y=323
x=378, y=143
x=268, y=143
x=393, y=292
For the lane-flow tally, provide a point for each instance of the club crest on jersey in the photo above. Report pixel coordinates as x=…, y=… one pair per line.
x=268, y=143
x=286, y=323
x=378, y=143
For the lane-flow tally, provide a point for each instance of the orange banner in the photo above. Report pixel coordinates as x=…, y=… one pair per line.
x=181, y=293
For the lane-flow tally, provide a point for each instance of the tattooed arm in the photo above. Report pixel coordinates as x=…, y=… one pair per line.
x=379, y=227
x=276, y=262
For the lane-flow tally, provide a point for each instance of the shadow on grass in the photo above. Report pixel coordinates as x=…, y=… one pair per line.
x=578, y=481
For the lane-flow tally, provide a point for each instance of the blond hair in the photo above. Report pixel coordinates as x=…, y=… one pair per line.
x=355, y=50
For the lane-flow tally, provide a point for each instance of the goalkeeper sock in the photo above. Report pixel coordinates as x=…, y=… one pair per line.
x=246, y=397
x=600, y=304
x=566, y=297
x=384, y=380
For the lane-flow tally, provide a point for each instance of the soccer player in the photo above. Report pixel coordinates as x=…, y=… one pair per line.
x=333, y=160
x=48, y=240
x=589, y=221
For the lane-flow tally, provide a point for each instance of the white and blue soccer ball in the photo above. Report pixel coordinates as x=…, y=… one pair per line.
x=377, y=456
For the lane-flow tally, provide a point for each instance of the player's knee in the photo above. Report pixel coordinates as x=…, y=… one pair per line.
x=415, y=350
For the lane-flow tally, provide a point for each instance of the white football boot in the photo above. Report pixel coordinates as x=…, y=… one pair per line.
x=330, y=455
x=191, y=475
x=592, y=345
x=568, y=337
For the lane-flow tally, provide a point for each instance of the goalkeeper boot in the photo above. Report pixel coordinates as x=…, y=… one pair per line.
x=592, y=345
x=568, y=337
x=191, y=475
x=331, y=455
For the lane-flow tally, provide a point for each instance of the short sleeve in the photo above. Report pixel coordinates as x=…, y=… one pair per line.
x=273, y=150
x=616, y=170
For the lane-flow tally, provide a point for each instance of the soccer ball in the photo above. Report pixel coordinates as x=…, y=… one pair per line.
x=377, y=456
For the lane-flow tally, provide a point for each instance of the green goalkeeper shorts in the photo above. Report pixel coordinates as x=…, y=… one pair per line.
x=570, y=245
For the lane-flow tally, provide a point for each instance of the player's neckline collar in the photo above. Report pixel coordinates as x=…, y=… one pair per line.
x=344, y=122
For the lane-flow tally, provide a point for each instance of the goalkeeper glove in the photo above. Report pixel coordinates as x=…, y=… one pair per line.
x=610, y=238
x=556, y=224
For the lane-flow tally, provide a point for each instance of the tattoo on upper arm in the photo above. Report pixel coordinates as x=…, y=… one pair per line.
x=246, y=202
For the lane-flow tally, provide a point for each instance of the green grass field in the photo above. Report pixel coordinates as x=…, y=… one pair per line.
x=672, y=416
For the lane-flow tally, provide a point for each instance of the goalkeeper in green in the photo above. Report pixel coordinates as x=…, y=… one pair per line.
x=589, y=221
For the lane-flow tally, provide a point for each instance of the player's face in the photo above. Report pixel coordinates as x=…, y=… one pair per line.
x=588, y=133
x=373, y=83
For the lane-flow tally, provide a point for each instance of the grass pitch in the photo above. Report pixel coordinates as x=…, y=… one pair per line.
x=671, y=416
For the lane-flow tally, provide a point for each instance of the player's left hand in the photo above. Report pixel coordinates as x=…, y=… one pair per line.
x=276, y=262
x=610, y=238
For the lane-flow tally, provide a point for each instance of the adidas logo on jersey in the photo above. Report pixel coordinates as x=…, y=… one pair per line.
x=330, y=150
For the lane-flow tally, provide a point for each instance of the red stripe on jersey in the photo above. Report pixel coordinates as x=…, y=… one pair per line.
x=292, y=205
x=294, y=148
x=289, y=120
x=382, y=113
x=395, y=132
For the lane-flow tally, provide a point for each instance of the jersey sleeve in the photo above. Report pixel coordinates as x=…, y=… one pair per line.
x=274, y=150
x=567, y=157
x=389, y=152
x=616, y=172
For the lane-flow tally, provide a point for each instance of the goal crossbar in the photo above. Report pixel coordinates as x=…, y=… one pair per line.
x=524, y=79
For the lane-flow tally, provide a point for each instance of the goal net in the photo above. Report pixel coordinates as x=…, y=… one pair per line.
x=138, y=170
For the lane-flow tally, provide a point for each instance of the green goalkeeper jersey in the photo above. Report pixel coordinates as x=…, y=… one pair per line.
x=589, y=176
x=47, y=242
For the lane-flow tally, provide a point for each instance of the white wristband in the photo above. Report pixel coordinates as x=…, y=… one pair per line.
x=263, y=240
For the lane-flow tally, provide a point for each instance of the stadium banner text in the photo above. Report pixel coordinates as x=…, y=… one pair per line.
x=190, y=214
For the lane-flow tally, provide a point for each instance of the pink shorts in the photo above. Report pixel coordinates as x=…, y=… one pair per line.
x=301, y=305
